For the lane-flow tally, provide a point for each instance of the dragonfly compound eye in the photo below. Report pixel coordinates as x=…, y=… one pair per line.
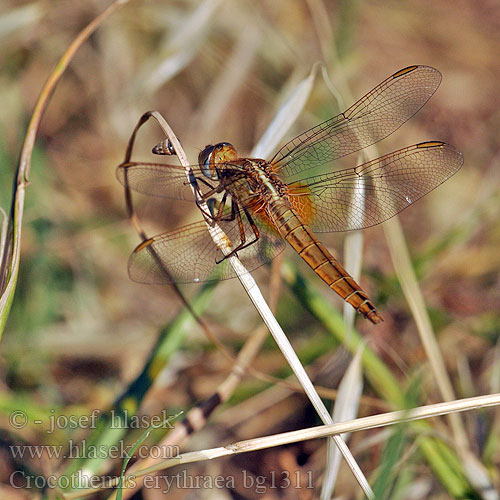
x=206, y=162
x=213, y=156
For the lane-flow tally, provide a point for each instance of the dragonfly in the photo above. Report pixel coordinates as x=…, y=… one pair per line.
x=261, y=205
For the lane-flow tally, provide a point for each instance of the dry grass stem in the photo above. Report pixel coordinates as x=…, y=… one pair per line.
x=359, y=424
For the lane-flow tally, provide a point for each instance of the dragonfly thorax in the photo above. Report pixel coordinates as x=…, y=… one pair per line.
x=262, y=182
x=214, y=155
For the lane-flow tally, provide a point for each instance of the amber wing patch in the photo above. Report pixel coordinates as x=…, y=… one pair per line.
x=300, y=197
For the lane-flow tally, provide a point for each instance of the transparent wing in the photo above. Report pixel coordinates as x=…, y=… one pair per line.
x=371, y=193
x=375, y=116
x=169, y=181
x=189, y=254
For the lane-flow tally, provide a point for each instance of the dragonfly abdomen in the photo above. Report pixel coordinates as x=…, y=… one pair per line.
x=322, y=262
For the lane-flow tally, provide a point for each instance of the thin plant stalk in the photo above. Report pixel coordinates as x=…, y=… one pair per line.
x=253, y=291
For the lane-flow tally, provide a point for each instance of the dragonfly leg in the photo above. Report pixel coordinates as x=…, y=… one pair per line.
x=208, y=194
x=222, y=205
x=220, y=217
x=204, y=196
x=235, y=214
x=200, y=179
x=232, y=215
x=243, y=239
x=254, y=227
x=210, y=205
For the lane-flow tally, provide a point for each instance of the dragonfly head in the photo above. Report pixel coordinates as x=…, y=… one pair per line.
x=211, y=156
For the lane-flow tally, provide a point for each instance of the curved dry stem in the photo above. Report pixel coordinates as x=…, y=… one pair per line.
x=142, y=234
x=11, y=252
x=253, y=291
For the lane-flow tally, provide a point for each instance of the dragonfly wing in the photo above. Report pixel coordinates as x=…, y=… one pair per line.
x=375, y=116
x=189, y=255
x=169, y=181
x=155, y=179
x=371, y=193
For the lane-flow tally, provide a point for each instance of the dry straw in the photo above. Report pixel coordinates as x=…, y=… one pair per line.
x=365, y=423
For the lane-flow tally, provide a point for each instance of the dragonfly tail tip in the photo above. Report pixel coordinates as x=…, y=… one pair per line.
x=375, y=317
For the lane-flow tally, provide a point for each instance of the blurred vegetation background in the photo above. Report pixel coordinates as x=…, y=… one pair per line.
x=80, y=331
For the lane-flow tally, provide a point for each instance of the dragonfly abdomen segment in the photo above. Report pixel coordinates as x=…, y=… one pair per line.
x=321, y=261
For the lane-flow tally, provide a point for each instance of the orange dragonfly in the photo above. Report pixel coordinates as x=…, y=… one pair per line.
x=260, y=204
